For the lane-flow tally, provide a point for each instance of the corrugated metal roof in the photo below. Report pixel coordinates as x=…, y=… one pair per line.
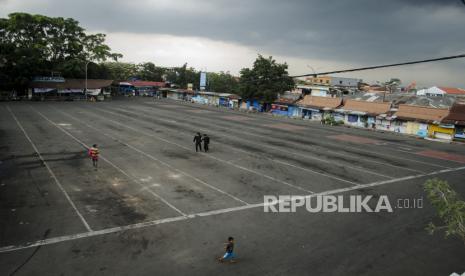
x=406, y=98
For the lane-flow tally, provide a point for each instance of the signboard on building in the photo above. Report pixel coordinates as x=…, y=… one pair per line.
x=203, y=80
x=48, y=79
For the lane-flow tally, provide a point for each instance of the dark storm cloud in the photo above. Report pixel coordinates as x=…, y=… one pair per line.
x=361, y=31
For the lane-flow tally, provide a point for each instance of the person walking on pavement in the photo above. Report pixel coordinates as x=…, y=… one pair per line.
x=198, y=142
x=229, y=254
x=94, y=153
x=206, y=142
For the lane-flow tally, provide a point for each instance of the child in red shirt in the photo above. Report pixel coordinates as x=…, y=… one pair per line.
x=93, y=153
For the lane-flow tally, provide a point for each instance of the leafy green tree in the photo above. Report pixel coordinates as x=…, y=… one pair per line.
x=183, y=75
x=393, y=84
x=266, y=80
x=450, y=209
x=222, y=82
x=33, y=45
x=148, y=71
x=120, y=70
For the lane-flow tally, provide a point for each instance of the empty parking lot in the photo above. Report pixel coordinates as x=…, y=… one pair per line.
x=155, y=206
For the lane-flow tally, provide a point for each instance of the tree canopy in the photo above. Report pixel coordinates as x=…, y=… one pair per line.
x=33, y=45
x=183, y=75
x=222, y=82
x=265, y=81
x=37, y=45
x=450, y=208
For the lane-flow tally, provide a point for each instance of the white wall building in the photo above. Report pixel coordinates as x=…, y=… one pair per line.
x=431, y=92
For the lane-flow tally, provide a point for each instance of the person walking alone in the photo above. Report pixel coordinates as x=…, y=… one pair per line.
x=229, y=254
x=94, y=153
x=198, y=142
x=206, y=142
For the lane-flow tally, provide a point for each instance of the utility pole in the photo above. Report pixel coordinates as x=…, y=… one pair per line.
x=87, y=63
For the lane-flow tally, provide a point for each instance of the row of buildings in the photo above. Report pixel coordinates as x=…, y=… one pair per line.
x=61, y=88
x=429, y=113
x=400, y=114
x=446, y=123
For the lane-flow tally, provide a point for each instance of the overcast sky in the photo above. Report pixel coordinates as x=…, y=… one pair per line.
x=221, y=35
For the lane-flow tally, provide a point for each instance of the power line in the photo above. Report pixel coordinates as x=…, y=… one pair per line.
x=382, y=66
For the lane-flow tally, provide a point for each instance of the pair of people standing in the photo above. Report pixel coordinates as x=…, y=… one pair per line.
x=199, y=139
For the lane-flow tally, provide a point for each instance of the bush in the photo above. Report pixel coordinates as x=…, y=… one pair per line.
x=329, y=120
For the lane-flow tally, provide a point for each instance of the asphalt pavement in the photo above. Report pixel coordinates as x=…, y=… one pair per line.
x=155, y=206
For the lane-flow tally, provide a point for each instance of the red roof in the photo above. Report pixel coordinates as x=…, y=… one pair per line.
x=285, y=101
x=453, y=91
x=456, y=115
x=421, y=113
x=320, y=102
x=148, y=83
x=373, y=108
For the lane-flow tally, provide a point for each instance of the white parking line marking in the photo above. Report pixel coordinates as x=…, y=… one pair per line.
x=315, y=172
x=292, y=153
x=86, y=225
x=212, y=157
x=113, y=165
x=206, y=214
x=359, y=149
x=273, y=159
x=288, y=152
x=160, y=161
x=279, y=161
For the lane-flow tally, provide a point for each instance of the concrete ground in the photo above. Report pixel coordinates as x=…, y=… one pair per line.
x=155, y=206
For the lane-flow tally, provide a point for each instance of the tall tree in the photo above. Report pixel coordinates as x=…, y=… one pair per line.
x=32, y=45
x=222, y=82
x=266, y=80
x=148, y=71
x=121, y=70
x=183, y=75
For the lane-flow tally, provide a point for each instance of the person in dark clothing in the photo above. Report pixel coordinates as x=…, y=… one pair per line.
x=198, y=142
x=206, y=142
x=229, y=254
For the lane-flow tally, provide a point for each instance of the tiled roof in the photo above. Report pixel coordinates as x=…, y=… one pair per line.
x=453, y=91
x=234, y=96
x=320, y=102
x=148, y=83
x=456, y=115
x=373, y=108
x=421, y=113
x=285, y=101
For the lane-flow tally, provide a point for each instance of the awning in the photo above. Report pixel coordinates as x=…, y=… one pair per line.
x=353, y=112
x=43, y=90
x=70, y=91
x=311, y=109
